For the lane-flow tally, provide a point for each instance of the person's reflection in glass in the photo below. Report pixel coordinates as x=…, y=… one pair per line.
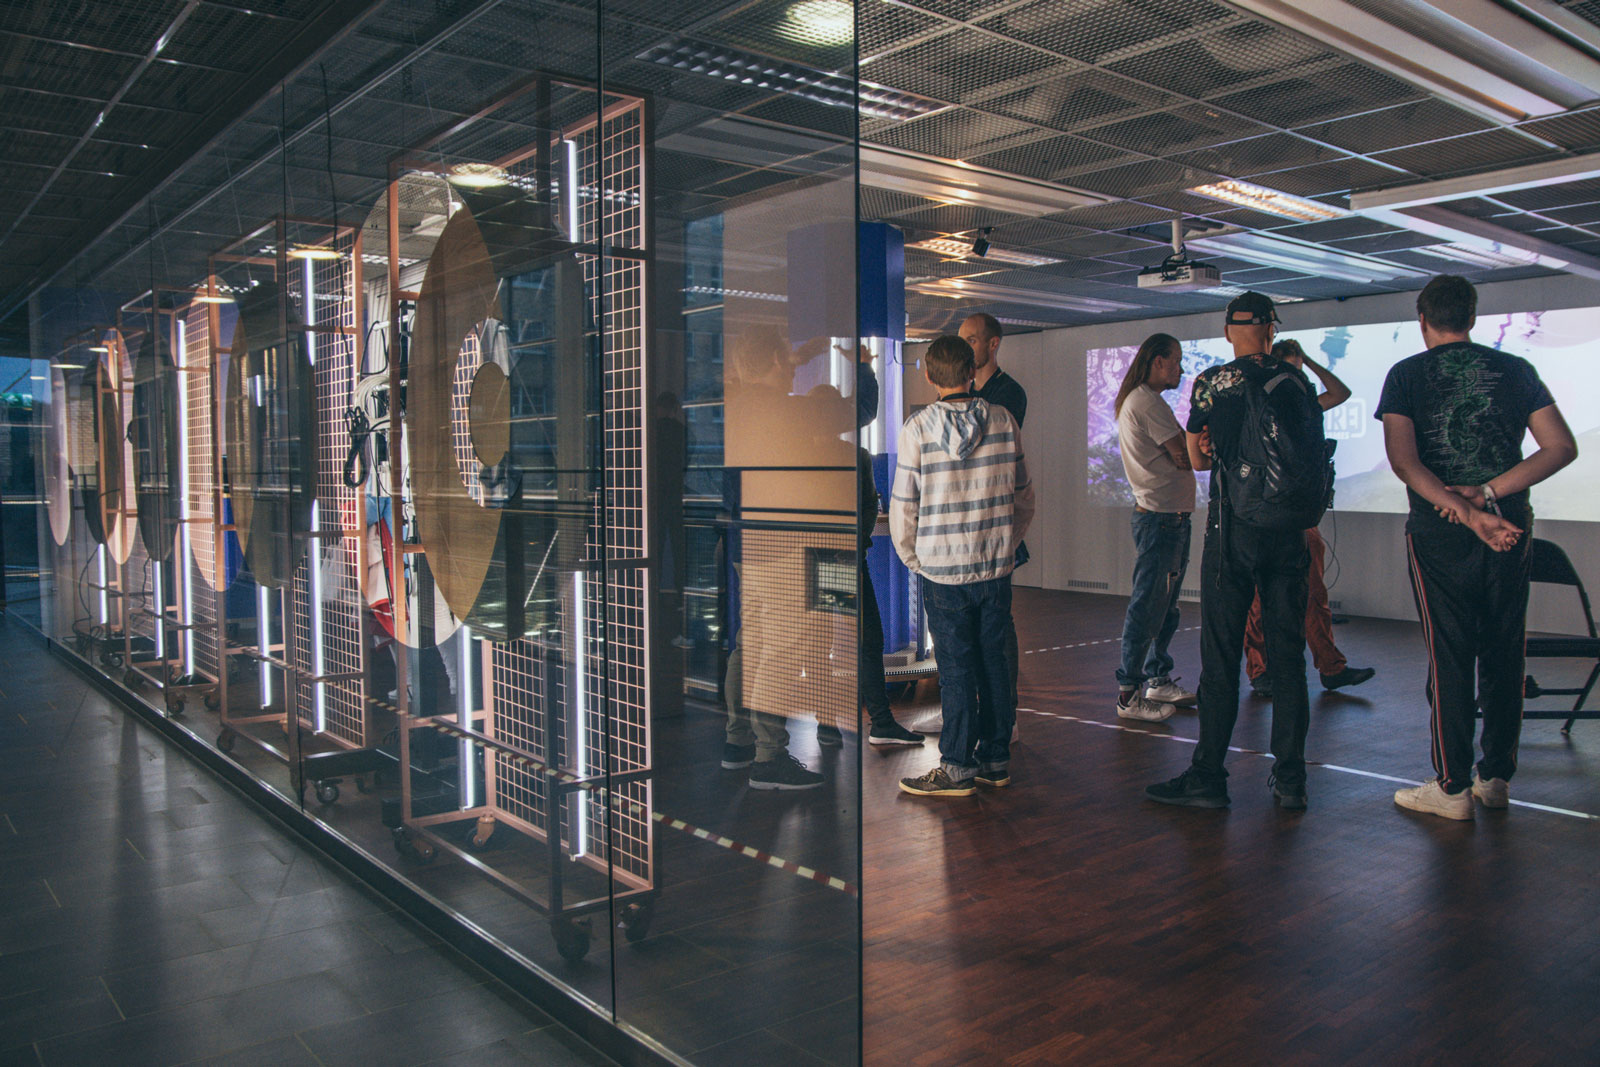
x=670, y=460
x=761, y=373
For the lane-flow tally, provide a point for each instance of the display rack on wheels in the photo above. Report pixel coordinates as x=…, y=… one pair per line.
x=519, y=510
x=291, y=371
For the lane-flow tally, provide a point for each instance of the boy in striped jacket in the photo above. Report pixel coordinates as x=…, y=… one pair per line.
x=961, y=503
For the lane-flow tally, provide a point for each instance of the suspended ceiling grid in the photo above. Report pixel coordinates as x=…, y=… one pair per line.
x=1137, y=100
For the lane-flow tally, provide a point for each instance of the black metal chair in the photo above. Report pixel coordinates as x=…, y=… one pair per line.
x=1550, y=565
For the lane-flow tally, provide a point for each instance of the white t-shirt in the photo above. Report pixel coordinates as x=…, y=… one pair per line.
x=1145, y=425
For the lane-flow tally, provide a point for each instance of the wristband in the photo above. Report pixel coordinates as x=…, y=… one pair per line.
x=1488, y=493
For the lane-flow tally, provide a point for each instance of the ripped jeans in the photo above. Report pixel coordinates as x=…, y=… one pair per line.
x=1162, y=540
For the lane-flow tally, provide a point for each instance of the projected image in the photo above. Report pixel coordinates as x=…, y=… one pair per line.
x=1563, y=345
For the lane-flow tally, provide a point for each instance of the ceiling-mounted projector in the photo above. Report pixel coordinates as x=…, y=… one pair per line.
x=1178, y=273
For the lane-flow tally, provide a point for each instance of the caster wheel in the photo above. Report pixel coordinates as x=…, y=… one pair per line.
x=175, y=707
x=410, y=848
x=213, y=701
x=636, y=921
x=327, y=792
x=226, y=740
x=361, y=786
x=479, y=840
x=572, y=939
x=133, y=680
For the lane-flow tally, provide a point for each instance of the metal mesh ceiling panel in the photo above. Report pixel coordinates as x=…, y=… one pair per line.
x=1092, y=30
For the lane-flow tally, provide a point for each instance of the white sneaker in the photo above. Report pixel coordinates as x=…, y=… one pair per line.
x=1144, y=709
x=1495, y=793
x=1430, y=798
x=1170, y=692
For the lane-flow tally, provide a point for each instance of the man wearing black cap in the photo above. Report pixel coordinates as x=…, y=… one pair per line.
x=1238, y=559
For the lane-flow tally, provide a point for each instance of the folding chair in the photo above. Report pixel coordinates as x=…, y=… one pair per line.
x=1550, y=565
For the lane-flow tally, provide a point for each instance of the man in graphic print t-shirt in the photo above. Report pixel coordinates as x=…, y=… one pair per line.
x=1453, y=422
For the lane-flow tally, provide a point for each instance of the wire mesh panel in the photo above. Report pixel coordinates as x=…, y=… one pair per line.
x=203, y=575
x=328, y=600
x=521, y=685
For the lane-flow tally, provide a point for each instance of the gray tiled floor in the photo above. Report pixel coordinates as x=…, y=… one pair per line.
x=149, y=916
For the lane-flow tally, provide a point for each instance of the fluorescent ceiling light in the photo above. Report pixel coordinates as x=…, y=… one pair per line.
x=957, y=247
x=100, y=350
x=1453, y=227
x=1260, y=198
x=1490, y=183
x=1303, y=256
x=1523, y=71
x=1239, y=290
x=824, y=22
x=791, y=79
x=1487, y=258
x=313, y=252
x=748, y=294
x=986, y=292
x=951, y=181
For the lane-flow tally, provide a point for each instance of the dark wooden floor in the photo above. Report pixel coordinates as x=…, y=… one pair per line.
x=1062, y=921
x=1066, y=920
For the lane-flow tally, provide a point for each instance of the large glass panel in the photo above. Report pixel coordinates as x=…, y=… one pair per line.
x=464, y=445
x=749, y=363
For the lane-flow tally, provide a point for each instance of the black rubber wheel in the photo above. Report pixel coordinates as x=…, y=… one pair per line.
x=636, y=921
x=213, y=701
x=226, y=740
x=327, y=792
x=572, y=939
x=410, y=848
x=132, y=679
x=175, y=707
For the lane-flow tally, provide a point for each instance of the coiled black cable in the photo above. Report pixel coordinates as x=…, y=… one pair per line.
x=357, y=465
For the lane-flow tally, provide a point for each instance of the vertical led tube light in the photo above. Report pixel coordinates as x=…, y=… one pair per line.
x=314, y=562
x=105, y=611
x=160, y=612
x=314, y=542
x=184, y=572
x=469, y=784
x=580, y=703
x=264, y=639
x=571, y=183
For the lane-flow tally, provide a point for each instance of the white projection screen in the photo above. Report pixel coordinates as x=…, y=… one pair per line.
x=1564, y=346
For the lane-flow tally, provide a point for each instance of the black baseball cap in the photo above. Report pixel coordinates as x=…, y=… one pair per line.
x=1251, y=309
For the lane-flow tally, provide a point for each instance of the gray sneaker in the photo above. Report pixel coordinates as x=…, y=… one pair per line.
x=1135, y=705
x=1494, y=793
x=938, y=783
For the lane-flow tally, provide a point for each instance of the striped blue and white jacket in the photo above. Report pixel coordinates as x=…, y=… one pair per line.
x=962, y=499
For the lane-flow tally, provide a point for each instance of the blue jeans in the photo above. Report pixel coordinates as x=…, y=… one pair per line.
x=969, y=625
x=1162, y=539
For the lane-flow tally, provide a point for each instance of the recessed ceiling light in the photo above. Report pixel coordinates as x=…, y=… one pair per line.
x=826, y=22
x=1260, y=198
x=957, y=247
x=477, y=175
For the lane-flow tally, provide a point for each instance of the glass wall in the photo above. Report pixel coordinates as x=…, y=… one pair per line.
x=465, y=445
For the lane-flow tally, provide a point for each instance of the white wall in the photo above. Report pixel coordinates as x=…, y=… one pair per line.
x=1076, y=545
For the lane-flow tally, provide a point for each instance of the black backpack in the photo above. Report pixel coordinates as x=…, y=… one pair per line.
x=1282, y=478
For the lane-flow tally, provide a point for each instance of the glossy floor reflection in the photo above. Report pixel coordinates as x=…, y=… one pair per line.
x=149, y=916
x=1065, y=920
